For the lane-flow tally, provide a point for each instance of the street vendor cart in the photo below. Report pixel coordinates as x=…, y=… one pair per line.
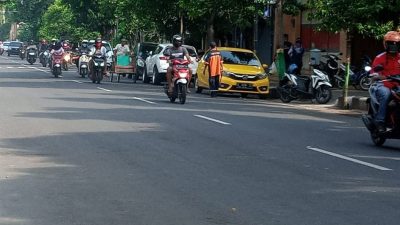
x=121, y=66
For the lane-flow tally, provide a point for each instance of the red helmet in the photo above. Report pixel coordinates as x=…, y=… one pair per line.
x=391, y=42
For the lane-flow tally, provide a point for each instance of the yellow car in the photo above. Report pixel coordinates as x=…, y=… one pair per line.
x=243, y=73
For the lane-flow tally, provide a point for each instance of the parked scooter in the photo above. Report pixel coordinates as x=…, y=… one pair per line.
x=180, y=79
x=294, y=86
x=84, y=65
x=359, y=78
x=31, y=55
x=98, y=69
x=392, y=117
x=56, y=64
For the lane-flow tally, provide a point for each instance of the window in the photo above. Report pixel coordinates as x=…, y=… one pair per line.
x=240, y=58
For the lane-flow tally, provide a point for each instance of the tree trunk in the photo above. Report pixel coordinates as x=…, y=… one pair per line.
x=210, y=28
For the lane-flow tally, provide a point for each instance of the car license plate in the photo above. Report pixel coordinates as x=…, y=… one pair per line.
x=244, y=86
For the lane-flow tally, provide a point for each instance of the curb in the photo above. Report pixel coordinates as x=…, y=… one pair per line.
x=354, y=102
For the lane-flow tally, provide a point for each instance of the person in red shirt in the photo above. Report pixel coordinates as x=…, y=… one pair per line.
x=213, y=61
x=390, y=61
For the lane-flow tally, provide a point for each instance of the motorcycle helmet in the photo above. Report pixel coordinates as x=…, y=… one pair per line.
x=293, y=69
x=391, y=42
x=58, y=46
x=85, y=43
x=177, y=41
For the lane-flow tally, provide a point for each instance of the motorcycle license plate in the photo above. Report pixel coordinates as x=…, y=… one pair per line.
x=244, y=86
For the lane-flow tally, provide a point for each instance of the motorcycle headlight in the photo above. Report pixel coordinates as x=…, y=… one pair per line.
x=31, y=53
x=67, y=57
x=367, y=68
x=96, y=64
x=102, y=64
x=182, y=75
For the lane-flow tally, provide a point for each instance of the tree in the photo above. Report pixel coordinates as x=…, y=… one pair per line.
x=59, y=22
x=367, y=17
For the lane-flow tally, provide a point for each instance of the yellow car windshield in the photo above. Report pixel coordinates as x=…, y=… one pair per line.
x=240, y=58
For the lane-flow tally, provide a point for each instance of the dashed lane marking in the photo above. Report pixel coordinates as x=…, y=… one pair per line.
x=213, y=120
x=349, y=159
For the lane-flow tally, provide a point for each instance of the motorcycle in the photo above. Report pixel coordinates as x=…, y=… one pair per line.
x=315, y=87
x=22, y=53
x=84, y=65
x=392, y=117
x=31, y=55
x=44, y=58
x=56, y=64
x=66, y=60
x=98, y=69
x=180, y=79
x=359, y=78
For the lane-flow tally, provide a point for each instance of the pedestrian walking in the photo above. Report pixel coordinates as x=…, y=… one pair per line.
x=214, y=63
x=296, y=53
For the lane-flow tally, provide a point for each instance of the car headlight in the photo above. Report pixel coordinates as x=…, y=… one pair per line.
x=228, y=74
x=262, y=76
x=102, y=64
x=140, y=63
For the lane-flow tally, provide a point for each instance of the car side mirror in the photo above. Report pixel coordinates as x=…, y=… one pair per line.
x=151, y=53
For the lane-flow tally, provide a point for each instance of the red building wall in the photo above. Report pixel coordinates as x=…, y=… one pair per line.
x=322, y=40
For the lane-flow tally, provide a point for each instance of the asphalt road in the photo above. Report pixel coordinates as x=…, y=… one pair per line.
x=77, y=153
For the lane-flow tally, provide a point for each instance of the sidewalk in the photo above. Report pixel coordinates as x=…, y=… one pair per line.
x=357, y=99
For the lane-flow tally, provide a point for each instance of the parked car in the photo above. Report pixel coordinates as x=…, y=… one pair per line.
x=141, y=52
x=243, y=73
x=15, y=48
x=6, y=45
x=157, y=64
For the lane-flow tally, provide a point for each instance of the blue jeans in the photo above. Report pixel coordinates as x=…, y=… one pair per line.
x=383, y=96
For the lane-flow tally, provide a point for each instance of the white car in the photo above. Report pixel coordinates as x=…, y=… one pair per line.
x=5, y=45
x=157, y=65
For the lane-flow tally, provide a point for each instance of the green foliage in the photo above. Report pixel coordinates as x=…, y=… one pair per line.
x=368, y=17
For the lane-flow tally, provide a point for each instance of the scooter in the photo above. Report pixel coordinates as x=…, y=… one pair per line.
x=84, y=65
x=56, y=63
x=44, y=58
x=316, y=87
x=66, y=61
x=22, y=53
x=98, y=69
x=180, y=79
x=392, y=117
x=31, y=55
x=359, y=78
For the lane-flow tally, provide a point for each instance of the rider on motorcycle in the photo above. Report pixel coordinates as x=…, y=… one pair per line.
x=32, y=45
x=390, y=60
x=176, y=52
x=53, y=44
x=57, y=49
x=84, y=48
x=98, y=49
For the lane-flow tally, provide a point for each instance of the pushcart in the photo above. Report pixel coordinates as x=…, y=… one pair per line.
x=122, y=66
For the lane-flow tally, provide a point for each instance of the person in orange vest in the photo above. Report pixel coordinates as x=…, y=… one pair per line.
x=214, y=63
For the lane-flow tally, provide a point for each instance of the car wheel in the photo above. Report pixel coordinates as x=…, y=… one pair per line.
x=243, y=95
x=196, y=85
x=156, y=76
x=263, y=96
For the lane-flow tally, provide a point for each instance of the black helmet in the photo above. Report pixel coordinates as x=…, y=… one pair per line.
x=58, y=45
x=177, y=40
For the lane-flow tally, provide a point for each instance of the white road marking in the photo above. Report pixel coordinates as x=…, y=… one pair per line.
x=77, y=81
x=144, y=100
x=9, y=67
x=349, y=159
x=213, y=120
x=104, y=89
